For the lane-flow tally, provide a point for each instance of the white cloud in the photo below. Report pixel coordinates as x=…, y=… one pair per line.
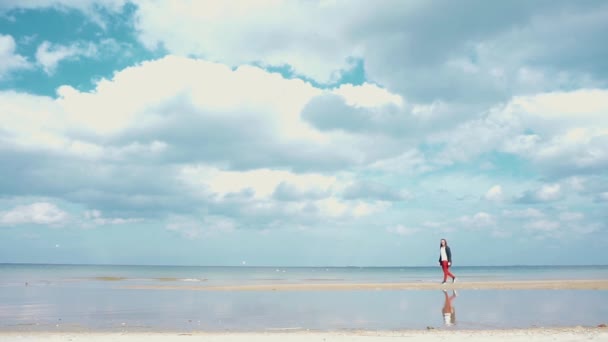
x=410, y=161
x=571, y=128
x=11, y=61
x=248, y=91
x=257, y=189
x=523, y=213
x=402, y=230
x=113, y=106
x=263, y=182
x=399, y=51
x=565, y=132
x=231, y=136
x=546, y=193
x=479, y=220
x=43, y=213
x=95, y=217
x=367, y=95
x=494, y=193
x=239, y=32
x=50, y=55
x=174, y=94
x=543, y=225
x=549, y=192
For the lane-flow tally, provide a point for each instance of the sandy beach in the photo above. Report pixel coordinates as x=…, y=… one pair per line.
x=475, y=285
x=523, y=335
x=166, y=304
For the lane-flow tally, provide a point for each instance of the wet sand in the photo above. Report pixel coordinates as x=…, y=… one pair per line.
x=475, y=285
x=519, y=335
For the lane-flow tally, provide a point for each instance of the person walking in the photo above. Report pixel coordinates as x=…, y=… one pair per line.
x=445, y=260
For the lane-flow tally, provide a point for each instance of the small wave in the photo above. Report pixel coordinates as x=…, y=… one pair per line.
x=192, y=279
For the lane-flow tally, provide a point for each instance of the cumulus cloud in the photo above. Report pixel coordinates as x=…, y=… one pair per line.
x=263, y=183
x=473, y=63
x=95, y=217
x=562, y=133
x=235, y=147
x=479, y=220
x=494, y=193
x=503, y=50
x=49, y=55
x=277, y=195
x=181, y=112
x=219, y=136
x=546, y=193
x=261, y=31
x=11, y=60
x=42, y=213
x=570, y=131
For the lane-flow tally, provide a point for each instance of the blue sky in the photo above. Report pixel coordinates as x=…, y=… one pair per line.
x=303, y=132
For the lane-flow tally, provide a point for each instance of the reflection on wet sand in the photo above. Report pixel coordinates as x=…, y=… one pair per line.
x=448, y=310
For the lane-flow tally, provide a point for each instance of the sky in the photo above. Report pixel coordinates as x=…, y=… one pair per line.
x=303, y=133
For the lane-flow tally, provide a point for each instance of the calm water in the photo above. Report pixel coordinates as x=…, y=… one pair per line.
x=67, y=297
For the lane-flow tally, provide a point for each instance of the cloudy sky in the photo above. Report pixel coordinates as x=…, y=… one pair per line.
x=330, y=132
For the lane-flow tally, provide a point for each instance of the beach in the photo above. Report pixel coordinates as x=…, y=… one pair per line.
x=525, y=335
x=133, y=303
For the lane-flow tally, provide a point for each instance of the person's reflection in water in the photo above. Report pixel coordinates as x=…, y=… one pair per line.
x=449, y=313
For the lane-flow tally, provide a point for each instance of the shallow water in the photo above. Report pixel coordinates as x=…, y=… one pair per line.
x=18, y=274
x=89, y=308
x=95, y=298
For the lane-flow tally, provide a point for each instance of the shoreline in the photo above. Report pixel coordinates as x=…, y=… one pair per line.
x=577, y=333
x=591, y=284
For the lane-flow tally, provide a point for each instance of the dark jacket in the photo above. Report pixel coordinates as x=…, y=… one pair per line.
x=448, y=252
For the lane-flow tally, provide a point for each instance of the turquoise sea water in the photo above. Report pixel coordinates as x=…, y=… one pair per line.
x=79, y=297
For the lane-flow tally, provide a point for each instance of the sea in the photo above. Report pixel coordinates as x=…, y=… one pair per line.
x=38, y=297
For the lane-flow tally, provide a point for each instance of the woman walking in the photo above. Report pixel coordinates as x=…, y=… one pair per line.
x=445, y=260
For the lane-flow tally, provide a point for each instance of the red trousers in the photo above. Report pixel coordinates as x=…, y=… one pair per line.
x=446, y=270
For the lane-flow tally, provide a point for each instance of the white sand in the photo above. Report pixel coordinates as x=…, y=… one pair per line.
x=521, y=335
